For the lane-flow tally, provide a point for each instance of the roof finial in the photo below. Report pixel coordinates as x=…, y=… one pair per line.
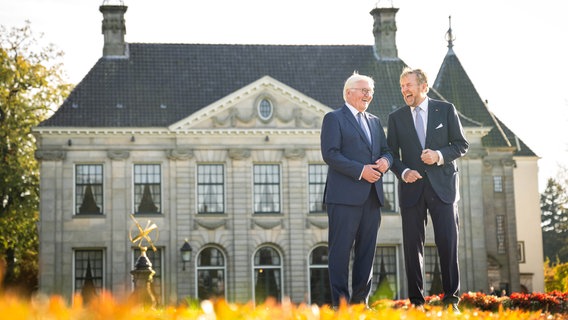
x=449, y=35
x=377, y=5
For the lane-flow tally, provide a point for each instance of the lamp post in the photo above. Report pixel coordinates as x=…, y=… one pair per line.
x=185, y=253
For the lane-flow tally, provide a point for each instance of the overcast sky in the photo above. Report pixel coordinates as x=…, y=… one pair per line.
x=513, y=51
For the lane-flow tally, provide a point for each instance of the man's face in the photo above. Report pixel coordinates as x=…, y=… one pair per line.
x=360, y=95
x=412, y=92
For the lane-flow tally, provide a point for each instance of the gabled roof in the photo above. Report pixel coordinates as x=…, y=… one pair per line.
x=453, y=83
x=157, y=85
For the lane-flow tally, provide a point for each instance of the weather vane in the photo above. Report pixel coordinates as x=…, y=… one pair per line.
x=144, y=234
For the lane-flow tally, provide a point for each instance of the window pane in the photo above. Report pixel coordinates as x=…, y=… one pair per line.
x=211, y=257
x=210, y=188
x=433, y=275
x=88, y=273
x=147, y=188
x=89, y=189
x=267, y=275
x=500, y=224
x=317, y=174
x=267, y=257
x=210, y=284
x=265, y=109
x=266, y=284
x=210, y=274
x=385, y=276
x=266, y=189
x=320, y=290
x=389, y=189
x=497, y=183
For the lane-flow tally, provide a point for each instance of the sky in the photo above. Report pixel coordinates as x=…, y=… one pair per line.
x=514, y=51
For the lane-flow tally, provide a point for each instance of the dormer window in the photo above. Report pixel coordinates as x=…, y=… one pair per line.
x=265, y=109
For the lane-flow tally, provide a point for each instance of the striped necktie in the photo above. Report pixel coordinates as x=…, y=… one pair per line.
x=363, y=126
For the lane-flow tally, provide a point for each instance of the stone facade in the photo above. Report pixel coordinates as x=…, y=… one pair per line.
x=94, y=178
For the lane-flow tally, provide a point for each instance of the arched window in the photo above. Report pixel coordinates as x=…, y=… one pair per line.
x=265, y=109
x=211, y=274
x=320, y=291
x=267, y=275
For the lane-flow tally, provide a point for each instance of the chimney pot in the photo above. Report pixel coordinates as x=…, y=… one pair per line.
x=113, y=29
x=384, y=30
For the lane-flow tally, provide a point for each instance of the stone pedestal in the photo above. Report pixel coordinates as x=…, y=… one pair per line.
x=142, y=276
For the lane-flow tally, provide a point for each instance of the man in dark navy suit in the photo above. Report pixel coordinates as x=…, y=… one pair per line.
x=426, y=138
x=353, y=144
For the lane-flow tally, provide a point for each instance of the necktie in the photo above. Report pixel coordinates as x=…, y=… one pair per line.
x=419, y=123
x=363, y=126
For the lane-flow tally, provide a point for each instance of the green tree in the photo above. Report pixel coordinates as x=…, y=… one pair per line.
x=31, y=87
x=555, y=276
x=554, y=221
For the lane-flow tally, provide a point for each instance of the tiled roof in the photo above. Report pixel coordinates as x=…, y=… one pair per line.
x=453, y=84
x=159, y=84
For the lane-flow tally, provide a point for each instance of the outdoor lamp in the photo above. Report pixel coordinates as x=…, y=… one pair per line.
x=185, y=253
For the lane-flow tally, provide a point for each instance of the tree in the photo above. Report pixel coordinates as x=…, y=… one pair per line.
x=554, y=221
x=31, y=87
x=555, y=276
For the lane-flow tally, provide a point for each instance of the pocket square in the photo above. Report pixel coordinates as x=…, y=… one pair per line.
x=439, y=126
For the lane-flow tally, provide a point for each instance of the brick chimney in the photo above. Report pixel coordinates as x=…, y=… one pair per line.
x=384, y=30
x=114, y=29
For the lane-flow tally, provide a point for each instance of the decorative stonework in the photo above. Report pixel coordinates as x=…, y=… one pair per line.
x=211, y=224
x=294, y=153
x=231, y=118
x=179, y=154
x=297, y=117
x=475, y=153
x=118, y=154
x=267, y=223
x=508, y=163
x=239, y=154
x=50, y=155
x=318, y=223
x=299, y=120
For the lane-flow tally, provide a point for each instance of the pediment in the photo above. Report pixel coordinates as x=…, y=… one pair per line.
x=263, y=104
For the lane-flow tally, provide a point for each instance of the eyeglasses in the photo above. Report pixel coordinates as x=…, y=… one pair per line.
x=364, y=90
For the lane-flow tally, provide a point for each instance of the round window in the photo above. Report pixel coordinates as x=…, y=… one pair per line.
x=265, y=109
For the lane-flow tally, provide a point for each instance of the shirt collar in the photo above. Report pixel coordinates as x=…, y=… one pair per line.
x=423, y=105
x=353, y=110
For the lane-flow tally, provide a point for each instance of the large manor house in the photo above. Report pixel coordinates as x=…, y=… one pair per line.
x=218, y=145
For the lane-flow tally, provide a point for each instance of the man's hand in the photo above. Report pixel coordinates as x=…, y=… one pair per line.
x=383, y=164
x=371, y=173
x=411, y=176
x=429, y=156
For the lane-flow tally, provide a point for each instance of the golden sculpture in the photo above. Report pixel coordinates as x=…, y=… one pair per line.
x=144, y=234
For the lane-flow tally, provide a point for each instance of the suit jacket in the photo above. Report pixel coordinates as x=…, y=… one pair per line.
x=444, y=133
x=346, y=149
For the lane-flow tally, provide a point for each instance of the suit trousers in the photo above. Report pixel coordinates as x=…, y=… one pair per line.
x=445, y=221
x=352, y=227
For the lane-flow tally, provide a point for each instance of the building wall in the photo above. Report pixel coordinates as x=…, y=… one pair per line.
x=238, y=144
x=529, y=232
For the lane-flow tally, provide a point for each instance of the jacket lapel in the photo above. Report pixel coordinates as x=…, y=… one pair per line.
x=433, y=119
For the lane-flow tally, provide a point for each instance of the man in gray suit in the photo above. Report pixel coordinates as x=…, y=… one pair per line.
x=426, y=138
x=353, y=144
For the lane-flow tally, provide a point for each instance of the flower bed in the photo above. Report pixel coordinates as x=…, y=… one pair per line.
x=549, y=306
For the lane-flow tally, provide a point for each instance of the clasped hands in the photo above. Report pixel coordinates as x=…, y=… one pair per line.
x=373, y=172
x=429, y=157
